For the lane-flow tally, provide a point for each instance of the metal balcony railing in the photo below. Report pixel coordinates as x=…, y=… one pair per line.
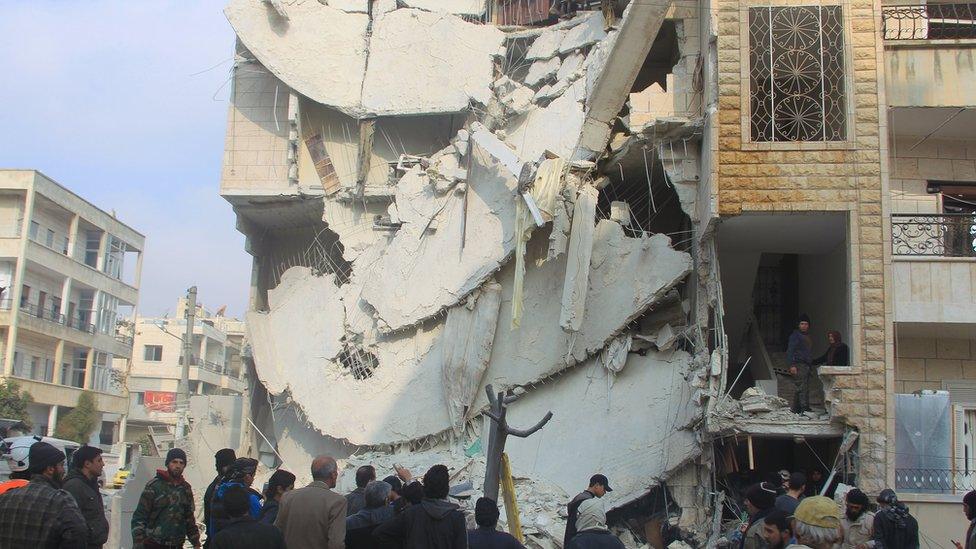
x=934, y=481
x=940, y=235
x=929, y=21
x=42, y=313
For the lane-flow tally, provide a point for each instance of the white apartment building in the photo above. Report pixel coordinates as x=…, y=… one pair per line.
x=69, y=278
x=215, y=367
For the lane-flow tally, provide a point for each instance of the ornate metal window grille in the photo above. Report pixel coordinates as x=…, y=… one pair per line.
x=945, y=235
x=796, y=74
x=929, y=22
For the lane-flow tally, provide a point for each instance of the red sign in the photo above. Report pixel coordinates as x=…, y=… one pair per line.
x=160, y=401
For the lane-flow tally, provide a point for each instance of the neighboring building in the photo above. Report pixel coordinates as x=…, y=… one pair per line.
x=69, y=274
x=215, y=367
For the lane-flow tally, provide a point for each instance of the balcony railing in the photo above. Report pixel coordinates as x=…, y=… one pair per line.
x=940, y=235
x=75, y=322
x=929, y=21
x=934, y=481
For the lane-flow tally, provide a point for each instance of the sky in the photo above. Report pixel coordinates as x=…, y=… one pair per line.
x=125, y=103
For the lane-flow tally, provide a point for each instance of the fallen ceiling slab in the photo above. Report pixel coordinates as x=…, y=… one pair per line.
x=411, y=61
x=634, y=431
x=423, y=271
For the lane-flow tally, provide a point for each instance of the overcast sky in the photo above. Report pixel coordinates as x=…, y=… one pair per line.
x=125, y=103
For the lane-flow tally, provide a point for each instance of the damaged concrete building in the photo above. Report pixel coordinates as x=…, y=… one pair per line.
x=595, y=206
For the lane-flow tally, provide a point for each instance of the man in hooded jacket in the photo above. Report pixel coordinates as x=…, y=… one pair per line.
x=433, y=524
x=894, y=527
x=591, y=528
x=240, y=473
x=223, y=460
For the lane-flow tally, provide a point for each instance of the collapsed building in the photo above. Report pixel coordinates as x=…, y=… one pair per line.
x=442, y=195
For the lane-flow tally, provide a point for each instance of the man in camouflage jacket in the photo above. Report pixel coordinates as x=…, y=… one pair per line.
x=164, y=517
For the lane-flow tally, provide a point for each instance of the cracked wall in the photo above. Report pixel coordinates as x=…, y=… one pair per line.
x=468, y=236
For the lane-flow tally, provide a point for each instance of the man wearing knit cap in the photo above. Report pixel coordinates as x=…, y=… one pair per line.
x=40, y=514
x=591, y=528
x=857, y=522
x=760, y=500
x=165, y=517
x=223, y=458
x=486, y=536
x=816, y=524
x=82, y=483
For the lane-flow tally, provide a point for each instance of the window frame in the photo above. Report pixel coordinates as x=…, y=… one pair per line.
x=158, y=356
x=745, y=104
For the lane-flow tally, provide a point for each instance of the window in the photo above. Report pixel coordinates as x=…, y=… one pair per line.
x=796, y=74
x=93, y=245
x=25, y=296
x=140, y=398
x=49, y=242
x=34, y=229
x=153, y=353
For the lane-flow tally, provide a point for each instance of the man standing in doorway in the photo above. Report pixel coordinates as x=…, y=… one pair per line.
x=82, y=483
x=798, y=355
x=164, y=516
x=599, y=486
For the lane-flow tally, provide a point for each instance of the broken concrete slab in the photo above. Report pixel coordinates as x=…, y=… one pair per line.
x=576, y=282
x=570, y=67
x=546, y=45
x=555, y=128
x=588, y=31
x=468, y=334
x=430, y=269
x=471, y=8
x=627, y=276
x=642, y=421
x=351, y=6
x=302, y=52
x=542, y=70
x=447, y=77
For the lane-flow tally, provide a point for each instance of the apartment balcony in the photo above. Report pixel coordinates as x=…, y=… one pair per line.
x=929, y=55
x=58, y=261
x=75, y=329
x=934, y=269
x=56, y=394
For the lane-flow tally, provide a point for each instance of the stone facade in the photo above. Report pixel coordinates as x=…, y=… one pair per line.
x=923, y=363
x=843, y=176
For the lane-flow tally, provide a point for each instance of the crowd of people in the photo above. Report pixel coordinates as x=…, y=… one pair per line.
x=45, y=505
x=785, y=517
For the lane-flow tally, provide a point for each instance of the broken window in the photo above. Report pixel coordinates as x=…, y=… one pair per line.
x=361, y=363
x=796, y=74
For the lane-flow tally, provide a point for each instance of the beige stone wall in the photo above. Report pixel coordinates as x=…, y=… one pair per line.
x=922, y=363
x=931, y=160
x=787, y=177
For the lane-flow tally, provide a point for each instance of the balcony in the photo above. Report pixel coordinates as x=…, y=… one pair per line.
x=76, y=329
x=934, y=481
x=929, y=22
x=929, y=55
x=934, y=269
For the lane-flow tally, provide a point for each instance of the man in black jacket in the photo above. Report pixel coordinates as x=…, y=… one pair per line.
x=435, y=523
x=82, y=484
x=243, y=532
x=223, y=458
x=599, y=486
x=486, y=536
x=893, y=525
x=356, y=500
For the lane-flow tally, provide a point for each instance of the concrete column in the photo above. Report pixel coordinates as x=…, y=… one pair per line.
x=101, y=251
x=123, y=427
x=52, y=420
x=17, y=282
x=203, y=346
x=73, y=235
x=65, y=296
x=96, y=310
x=89, y=366
x=58, y=361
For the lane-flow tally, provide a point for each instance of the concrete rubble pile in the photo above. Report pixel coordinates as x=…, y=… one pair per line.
x=459, y=166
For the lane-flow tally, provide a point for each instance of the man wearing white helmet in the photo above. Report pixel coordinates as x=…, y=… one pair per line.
x=17, y=455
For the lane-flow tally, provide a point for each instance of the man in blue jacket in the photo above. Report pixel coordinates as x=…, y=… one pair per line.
x=240, y=473
x=799, y=356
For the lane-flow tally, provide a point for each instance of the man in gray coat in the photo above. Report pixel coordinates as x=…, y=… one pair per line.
x=315, y=516
x=82, y=484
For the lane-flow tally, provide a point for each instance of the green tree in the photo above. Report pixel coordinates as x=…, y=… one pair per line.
x=80, y=423
x=13, y=402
